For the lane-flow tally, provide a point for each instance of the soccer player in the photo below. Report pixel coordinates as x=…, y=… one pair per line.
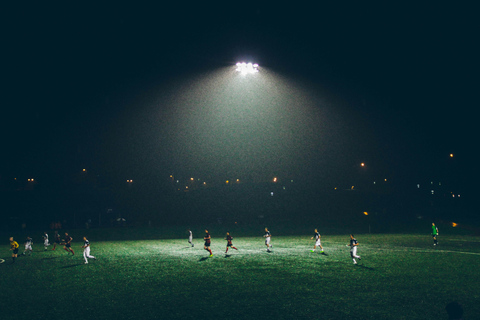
x=229, y=242
x=86, y=250
x=68, y=244
x=267, y=237
x=190, y=237
x=353, y=249
x=45, y=240
x=434, y=234
x=14, y=248
x=28, y=246
x=207, y=239
x=56, y=239
x=317, y=236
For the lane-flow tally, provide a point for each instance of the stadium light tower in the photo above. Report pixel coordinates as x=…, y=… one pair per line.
x=246, y=68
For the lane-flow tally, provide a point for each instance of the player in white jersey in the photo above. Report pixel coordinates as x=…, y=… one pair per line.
x=46, y=243
x=28, y=246
x=353, y=249
x=86, y=250
x=190, y=237
x=267, y=237
x=318, y=243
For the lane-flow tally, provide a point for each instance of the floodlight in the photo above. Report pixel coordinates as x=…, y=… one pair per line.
x=245, y=68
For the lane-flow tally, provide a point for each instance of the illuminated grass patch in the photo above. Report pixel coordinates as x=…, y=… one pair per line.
x=399, y=277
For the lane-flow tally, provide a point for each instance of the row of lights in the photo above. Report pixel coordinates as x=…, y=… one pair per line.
x=245, y=68
x=240, y=65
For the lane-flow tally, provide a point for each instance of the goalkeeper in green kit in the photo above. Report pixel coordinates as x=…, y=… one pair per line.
x=434, y=234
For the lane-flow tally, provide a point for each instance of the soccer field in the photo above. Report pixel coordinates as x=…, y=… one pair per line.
x=399, y=277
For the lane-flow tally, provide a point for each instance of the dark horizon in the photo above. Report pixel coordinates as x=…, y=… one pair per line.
x=141, y=93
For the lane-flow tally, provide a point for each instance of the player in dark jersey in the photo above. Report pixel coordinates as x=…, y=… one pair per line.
x=353, y=249
x=56, y=239
x=14, y=248
x=207, y=239
x=68, y=244
x=229, y=242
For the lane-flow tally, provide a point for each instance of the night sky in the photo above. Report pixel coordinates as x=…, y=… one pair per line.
x=131, y=91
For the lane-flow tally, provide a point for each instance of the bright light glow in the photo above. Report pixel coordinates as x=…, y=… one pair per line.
x=365, y=213
x=454, y=224
x=362, y=164
x=275, y=179
x=245, y=68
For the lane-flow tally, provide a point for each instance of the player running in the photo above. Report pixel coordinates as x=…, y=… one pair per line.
x=56, y=239
x=434, y=234
x=207, y=239
x=267, y=237
x=317, y=237
x=68, y=244
x=353, y=249
x=86, y=250
x=229, y=242
x=14, y=248
x=190, y=237
x=28, y=246
x=46, y=243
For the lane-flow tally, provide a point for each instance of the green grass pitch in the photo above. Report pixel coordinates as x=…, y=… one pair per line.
x=399, y=277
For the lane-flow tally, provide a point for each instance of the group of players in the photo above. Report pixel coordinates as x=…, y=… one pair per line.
x=208, y=240
x=67, y=246
x=14, y=247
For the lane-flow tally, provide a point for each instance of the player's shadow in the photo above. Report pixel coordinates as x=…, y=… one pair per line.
x=227, y=255
x=51, y=258
x=203, y=259
x=72, y=266
x=364, y=267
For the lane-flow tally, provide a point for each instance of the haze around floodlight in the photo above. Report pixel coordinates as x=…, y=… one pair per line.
x=245, y=68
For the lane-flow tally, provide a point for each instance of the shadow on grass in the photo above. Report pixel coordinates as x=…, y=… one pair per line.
x=364, y=267
x=51, y=258
x=203, y=259
x=72, y=266
x=227, y=255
